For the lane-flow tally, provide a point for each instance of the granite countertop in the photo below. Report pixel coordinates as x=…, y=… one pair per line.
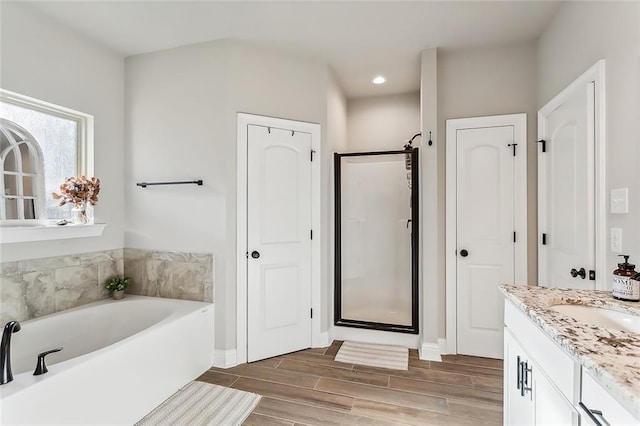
x=611, y=356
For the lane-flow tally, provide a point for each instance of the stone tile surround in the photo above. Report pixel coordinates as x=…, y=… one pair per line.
x=37, y=287
x=175, y=275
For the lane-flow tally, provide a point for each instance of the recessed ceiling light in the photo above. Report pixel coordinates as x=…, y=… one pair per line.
x=379, y=80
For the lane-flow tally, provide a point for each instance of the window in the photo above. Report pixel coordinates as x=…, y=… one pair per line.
x=41, y=144
x=21, y=173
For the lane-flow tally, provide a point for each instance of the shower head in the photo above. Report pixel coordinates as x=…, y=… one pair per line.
x=409, y=143
x=407, y=157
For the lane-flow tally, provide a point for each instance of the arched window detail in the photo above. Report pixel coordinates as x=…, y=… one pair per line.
x=21, y=173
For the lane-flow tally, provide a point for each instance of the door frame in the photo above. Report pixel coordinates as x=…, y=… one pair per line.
x=244, y=120
x=338, y=321
x=519, y=121
x=595, y=74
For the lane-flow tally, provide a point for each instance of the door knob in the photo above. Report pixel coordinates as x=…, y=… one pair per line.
x=255, y=254
x=464, y=253
x=578, y=273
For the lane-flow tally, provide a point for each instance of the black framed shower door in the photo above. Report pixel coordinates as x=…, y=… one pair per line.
x=342, y=316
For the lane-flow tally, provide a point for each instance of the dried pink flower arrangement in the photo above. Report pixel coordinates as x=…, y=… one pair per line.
x=79, y=191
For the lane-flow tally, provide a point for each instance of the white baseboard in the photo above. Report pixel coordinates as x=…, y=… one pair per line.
x=430, y=351
x=225, y=358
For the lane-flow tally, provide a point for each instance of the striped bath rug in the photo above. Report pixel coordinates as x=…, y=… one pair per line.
x=200, y=403
x=374, y=355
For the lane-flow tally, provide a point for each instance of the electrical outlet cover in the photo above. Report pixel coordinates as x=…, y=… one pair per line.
x=616, y=240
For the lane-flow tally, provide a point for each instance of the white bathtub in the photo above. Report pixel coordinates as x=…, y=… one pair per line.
x=120, y=360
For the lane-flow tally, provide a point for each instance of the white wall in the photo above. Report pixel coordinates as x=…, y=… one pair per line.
x=581, y=34
x=176, y=121
x=267, y=82
x=432, y=209
x=458, y=84
x=44, y=60
x=494, y=81
x=181, y=124
x=382, y=123
x=336, y=136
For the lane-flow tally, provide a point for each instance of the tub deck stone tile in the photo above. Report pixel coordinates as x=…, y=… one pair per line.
x=47, y=263
x=8, y=268
x=13, y=306
x=39, y=290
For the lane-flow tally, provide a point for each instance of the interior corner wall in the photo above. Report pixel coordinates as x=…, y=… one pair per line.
x=336, y=135
x=181, y=107
x=431, y=205
x=382, y=123
x=580, y=34
x=177, y=129
x=271, y=83
x=494, y=81
x=44, y=60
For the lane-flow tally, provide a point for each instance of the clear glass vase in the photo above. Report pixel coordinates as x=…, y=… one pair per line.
x=82, y=214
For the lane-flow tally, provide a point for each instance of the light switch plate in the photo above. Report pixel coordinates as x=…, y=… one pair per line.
x=616, y=240
x=620, y=200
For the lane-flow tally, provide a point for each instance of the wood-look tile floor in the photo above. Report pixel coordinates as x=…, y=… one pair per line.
x=310, y=388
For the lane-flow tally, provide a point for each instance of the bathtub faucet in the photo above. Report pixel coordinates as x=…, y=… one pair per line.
x=5, y=351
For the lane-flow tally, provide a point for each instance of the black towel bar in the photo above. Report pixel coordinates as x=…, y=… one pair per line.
x=182, y=182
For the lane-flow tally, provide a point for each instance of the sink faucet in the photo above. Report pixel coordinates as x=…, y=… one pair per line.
x=5, y=351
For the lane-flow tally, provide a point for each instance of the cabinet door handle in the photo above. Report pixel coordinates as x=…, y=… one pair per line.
x=523, y=371
x=592, y=415
x=527, y=381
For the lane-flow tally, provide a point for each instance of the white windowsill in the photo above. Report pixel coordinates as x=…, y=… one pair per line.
x=24, y=234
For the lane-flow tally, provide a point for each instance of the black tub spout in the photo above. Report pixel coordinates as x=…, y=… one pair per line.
x=5, y=351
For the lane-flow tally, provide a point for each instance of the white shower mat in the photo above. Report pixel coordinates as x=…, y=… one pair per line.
x=374, y=355
x=201, y=404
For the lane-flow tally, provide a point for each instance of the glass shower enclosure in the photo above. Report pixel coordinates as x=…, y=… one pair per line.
x=376, y=240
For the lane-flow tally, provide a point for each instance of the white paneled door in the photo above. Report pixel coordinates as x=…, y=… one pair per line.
x=486, y=229
x=566, y=170
x=278, y=242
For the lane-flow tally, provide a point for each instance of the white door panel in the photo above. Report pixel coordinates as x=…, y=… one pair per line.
x=567, y=185
x=485, y=227
x=278, y=229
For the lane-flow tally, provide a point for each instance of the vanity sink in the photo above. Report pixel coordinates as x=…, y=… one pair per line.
x=600, y=317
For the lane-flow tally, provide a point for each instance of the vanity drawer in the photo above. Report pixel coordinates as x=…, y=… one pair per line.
x=547, y=354
x=598, y=400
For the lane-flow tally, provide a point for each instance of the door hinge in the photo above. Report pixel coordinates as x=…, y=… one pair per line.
x=313, y=151
x=544, y=145
x=514, y=236
x=311, y=233
x=544, y=239
x=513, y=146
x=311, y=312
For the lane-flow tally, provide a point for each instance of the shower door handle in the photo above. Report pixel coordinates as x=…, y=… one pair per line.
x=464, y=253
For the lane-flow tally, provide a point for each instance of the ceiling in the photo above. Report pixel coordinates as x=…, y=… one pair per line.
x=357, y=39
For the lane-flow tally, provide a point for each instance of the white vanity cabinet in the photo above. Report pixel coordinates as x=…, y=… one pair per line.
x=539, y=379
x=519, y=409
x=543, y=385
x=550, y=406
x=530, y=397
